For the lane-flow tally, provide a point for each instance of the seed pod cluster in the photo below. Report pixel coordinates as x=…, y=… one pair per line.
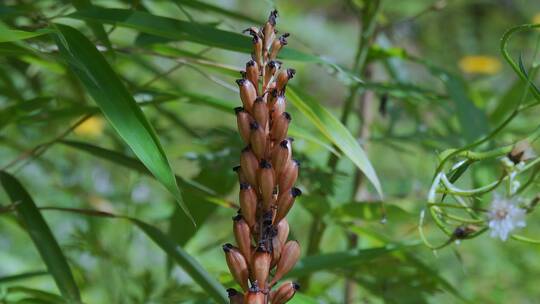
x=267, y=175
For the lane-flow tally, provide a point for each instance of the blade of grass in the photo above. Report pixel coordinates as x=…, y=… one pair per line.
x=22, y=276
x=43, y=239
x=336, y=132
x=117, y=105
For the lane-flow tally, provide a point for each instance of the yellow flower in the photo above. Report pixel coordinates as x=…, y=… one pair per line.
x=536, y=19
x=93, y=127
x=480, y=64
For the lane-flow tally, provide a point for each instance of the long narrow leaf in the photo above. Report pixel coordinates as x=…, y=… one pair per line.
x=41, y=235
x=336, y=132
x=117, y=105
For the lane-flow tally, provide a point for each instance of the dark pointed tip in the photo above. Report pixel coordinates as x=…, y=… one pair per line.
x=284, y=144
x=227, y=247
x=236, y=168
x=287, y=116
x=296, y=286
x=238, y=110
x=244, y=186
x=273, y=16
x=264, y=164
x=274, y=93
x=231, y=292
x=255, y=39
x=238, y=217
x=259, y=99
x=250, y=63
x=254, y=125
x=296, y=162
x=272, y=64
x=246, y=149
x=290, y=139
x=262, y=248
x=240, y=82
x=291, y=73
x=295, y=192
x=254, y=287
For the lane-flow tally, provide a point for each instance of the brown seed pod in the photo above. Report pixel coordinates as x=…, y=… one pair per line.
x=289, y=175
x=249, y=165
x=284, y=292
x=237, y=265
x=289, y=256
x=242, y=234
x=278, y=108
x=254, y=295
x=281, y=156
x=280, y=126
x=271, y=98
x=257, y=54
x=282, y=230
x=258, y=140
x=248, y=93
x=243, y=119
x=241, y=176
x=266, y=183
x=283, y=78
x=248, y=203
x=252, y=74
x=277, y=245
x=285, y=202
x=261, y=266
x=269, y=30
x=260, y=113
x=270, y=70
x=235, y=297
x=278, y=44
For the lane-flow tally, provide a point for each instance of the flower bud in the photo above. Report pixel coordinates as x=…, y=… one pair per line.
x=285, y=201
x=260, y=113
x=237, y=265
x=278, y=44
x=284, y=293
x=266, y=183
x=261, y=266
x=258, y=140
x=254, y=295
x=252, y=74
x=282, y=230
x=289, y=175
x=235, y=297
x=281, y=156
x=271, y=98
x=522, y=151
x=247, y=93
x=277, y=246
x=243, y=119
x=241, y=176
x=249, y=165
x=289, y=256
x=248, y=203
x=242, y=234
x=283, y=78
x=280, y=127
x=269, y=30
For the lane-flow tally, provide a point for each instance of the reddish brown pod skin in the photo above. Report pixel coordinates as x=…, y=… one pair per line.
x=235, y=297
x=237, y=265
x=267, y=174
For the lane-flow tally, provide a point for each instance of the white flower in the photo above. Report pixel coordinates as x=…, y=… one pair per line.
x=504, y=216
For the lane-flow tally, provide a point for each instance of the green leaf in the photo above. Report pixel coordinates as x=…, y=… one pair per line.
x=97, y=29
x=22, y=276
x=336, y=132
x=38, y=296
x=206, y=7
x=41, y=235
x=117, y=105
x=8, y=35
x=187, y=262
x=344, y=259
x=214, y=289
x=167, y=27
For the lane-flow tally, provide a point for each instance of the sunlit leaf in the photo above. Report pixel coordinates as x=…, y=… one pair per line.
x=41, y=235
x=117, y=105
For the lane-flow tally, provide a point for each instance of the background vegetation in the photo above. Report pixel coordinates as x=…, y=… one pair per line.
x=408, y=79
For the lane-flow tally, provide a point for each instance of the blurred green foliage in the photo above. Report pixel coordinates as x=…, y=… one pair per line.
x=433, y=80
